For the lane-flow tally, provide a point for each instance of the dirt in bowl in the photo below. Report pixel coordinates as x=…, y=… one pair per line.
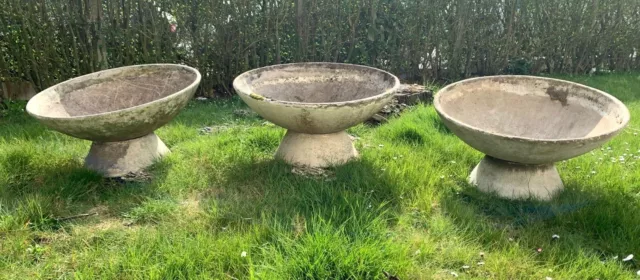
x=125, y=91
x=528, y=115
x=318, y=83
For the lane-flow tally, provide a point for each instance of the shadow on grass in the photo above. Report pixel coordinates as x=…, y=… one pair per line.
x=64, y=184
x=254, y=191
x=584, y=220
x=63, y=188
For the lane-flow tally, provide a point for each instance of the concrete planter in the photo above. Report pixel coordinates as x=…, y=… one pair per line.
x=524, y=125
x=316, y=102
x=119, y=110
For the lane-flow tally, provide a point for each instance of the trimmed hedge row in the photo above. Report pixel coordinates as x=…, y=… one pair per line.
x=47, y=41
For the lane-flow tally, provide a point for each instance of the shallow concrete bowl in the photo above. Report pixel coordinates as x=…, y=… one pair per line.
x=119, y=110
x=530, y=120
x=524, y=125
x=117, y=104
x=316, y=98
x=321, y=99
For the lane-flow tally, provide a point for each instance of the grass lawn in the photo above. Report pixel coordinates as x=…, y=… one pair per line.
x=220, y=207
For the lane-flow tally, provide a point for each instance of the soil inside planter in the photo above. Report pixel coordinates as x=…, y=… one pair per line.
x=124, y=92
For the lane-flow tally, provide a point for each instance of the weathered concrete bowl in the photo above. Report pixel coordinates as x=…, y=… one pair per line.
x=119, y=110
x=524, y=124
x=316, y=102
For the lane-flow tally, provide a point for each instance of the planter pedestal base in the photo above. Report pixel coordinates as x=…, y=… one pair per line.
x=316, y=150
x=516, y=181
x=115, y=159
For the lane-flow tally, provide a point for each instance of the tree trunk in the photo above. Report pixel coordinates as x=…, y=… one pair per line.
x=94, y=18
x=302, y=29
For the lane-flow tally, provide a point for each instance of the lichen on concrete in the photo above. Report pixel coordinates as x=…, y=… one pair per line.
x=114, y=106
x=530, y=121
x=316, y=102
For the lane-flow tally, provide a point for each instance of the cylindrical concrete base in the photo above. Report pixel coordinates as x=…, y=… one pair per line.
x=115, y=159
x=316, y=150
x=516, y=181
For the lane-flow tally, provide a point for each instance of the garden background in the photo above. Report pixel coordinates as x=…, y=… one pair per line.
x=48, y=41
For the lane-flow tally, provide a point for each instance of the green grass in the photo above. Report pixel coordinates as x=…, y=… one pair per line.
x=404, y=207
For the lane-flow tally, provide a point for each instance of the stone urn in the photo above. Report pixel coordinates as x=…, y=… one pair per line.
x=119, y=110
x=316, y=103
x=524, y=125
